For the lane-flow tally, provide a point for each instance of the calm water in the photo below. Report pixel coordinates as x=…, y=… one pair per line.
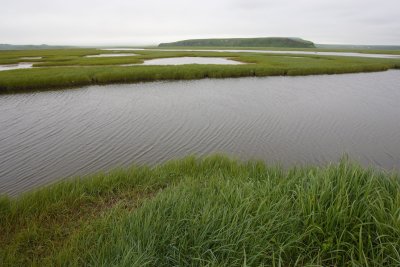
x=200, y=60
x=158, y=61
x=22, y=65
x=292, y=120
x=120, y=49
x=344, y=54
x=188, y=60
x=113, y=55
x=31, y=57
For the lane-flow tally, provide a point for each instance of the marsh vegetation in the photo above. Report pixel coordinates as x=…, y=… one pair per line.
x=75, y=68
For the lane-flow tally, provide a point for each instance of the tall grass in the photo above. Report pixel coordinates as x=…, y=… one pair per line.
x=209, y=212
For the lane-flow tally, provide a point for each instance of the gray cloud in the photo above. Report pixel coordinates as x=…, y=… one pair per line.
x=124, y=22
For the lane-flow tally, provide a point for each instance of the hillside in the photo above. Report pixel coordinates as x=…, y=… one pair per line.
x=245, y=42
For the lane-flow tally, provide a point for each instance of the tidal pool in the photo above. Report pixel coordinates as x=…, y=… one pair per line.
x=22, y=65
x=31, y=57
x=113, y=55
x=121, y=49
x=47, y=136
x=188, y=60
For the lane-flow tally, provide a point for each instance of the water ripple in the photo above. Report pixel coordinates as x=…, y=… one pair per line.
x=291, y=120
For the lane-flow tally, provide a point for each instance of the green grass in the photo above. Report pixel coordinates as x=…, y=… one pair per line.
x=208, y=212
x=70, y=68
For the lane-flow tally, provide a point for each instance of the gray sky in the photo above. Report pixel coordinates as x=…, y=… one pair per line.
x=123, y=22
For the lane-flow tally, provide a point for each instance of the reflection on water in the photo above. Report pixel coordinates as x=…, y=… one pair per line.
x=292, y=120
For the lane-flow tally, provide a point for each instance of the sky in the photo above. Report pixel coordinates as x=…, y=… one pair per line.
x=148, y=22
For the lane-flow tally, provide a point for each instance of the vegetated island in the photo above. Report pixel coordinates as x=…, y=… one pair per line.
x=62, y=68
x=213, y=211
x=245, y=42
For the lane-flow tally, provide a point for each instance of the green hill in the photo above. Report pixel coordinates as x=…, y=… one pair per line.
x=245, y=42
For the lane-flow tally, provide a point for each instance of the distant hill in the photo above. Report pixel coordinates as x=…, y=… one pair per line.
x=245, y=42
x=29, y=47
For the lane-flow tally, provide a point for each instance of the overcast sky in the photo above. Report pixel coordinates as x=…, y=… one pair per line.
x=124, y=22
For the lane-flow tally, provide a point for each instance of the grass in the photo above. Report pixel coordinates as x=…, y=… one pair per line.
x=208, y=212
x=70, y=68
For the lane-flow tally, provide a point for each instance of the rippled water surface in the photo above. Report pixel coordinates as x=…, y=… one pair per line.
x=292, y=120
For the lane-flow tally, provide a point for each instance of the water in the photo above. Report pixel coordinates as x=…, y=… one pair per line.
x=159, y=61
x=292, y=120
x=31, y=57
x=200, y=60
x=22, y=65
x=121, y=49
x=187, y=60
x=113, y=55
x=343, y=54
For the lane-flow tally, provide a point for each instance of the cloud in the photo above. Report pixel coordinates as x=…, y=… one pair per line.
x=126, y=22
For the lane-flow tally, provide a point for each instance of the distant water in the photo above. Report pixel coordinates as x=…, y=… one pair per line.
x=291, y=120
x=120, y=49
x=158, y=61
x=113, y=55
x=344, y=54
x=187, y=60
x=22, y=65
x=31, y=57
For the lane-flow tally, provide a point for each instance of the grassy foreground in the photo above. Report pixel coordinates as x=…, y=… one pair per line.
x=71, y=68
x=208, y=212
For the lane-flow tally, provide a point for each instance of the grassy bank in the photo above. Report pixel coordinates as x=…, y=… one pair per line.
x=70, y=68
x=210, y=212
